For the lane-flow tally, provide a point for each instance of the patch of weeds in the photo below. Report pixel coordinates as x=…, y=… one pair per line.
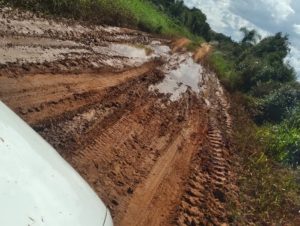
x=269, y=193
x=224, y=68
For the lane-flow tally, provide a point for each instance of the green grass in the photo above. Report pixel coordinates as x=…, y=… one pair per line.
x=269, y=193
x=133, y=13
x=151, y=19
x=225, y=69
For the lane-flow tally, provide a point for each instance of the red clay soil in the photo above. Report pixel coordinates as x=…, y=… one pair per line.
x=152, y=161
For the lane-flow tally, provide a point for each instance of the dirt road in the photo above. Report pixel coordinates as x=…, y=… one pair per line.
x=147, y=127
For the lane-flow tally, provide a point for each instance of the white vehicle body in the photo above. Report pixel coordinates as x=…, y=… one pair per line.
x=38, y=187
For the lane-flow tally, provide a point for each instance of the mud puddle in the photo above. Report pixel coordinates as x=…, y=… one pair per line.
x=182, y=73
x=28, y=54
x=36, y=41
x=124, y=54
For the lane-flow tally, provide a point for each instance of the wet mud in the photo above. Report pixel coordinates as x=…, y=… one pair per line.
x=147, y=127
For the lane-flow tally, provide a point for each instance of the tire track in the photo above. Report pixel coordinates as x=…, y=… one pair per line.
x=151, y=160
x=154, y=199
x=36, y=97
x=122, y=155
x=209, y=187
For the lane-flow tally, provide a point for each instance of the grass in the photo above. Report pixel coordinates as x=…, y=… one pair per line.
x=269, y=193
x=152, y=20
x=224, y=69
x=133, y=13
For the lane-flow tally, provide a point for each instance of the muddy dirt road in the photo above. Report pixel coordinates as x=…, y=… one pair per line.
x=147, y=127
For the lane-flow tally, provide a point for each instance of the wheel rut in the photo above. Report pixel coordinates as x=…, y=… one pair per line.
x=46, y=95
x=150, y=132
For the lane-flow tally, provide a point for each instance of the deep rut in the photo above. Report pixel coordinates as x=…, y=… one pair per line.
x=210, y=186
x=154, y=199
x=36, y=97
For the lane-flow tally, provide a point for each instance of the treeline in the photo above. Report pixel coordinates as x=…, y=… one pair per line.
x=266, y=109
x=193, y=18
x=257, y=68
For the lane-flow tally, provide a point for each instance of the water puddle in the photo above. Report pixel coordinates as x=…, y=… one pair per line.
x=28, y=54
x=160, y=50
x=121, y=50
x=181, y=74
x=130, y=55
x=36, y=41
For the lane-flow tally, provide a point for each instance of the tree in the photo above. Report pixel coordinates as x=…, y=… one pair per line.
x=250, y=36
x=277, y=46
x=193, y=18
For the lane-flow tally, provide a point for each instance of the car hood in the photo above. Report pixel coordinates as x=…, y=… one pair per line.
x=38, y=187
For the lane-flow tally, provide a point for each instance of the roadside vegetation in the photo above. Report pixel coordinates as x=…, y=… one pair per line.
x=141, y=14
x=269, y=191
x=266, y=106
x=265, y=94
x=257, y=69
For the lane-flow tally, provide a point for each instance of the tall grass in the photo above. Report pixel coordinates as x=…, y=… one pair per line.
x=269, y=193
x=133, y=13
x=224, y=69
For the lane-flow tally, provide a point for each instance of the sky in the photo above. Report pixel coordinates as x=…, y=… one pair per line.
x=266, y=16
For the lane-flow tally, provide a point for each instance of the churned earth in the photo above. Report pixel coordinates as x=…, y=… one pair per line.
x=145, y=124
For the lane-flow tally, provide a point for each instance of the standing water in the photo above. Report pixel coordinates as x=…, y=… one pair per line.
x=182, y=73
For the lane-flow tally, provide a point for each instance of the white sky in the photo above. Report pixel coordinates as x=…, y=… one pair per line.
x=266, y=16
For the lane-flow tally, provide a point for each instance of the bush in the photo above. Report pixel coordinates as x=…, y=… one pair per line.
x=262, y=89
x=269, y=193
x=282, y=142
x=275, y=106
x=225, y=70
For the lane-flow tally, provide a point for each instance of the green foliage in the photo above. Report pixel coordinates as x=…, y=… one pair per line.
x=275, y=106
x=274, y=47
x=250, y=36
x=268, y=190
x=258, y=69
x=282, y=142
x=264, y=62
x=293, y=118
x=255, y=64
x=134, y=13
x=224, y=67
x=261, y=90
x=193, y=18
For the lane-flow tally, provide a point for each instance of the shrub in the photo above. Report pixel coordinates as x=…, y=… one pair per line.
x=282, y=142
x=225, y=70
x=269, y=193
x=278, y=103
